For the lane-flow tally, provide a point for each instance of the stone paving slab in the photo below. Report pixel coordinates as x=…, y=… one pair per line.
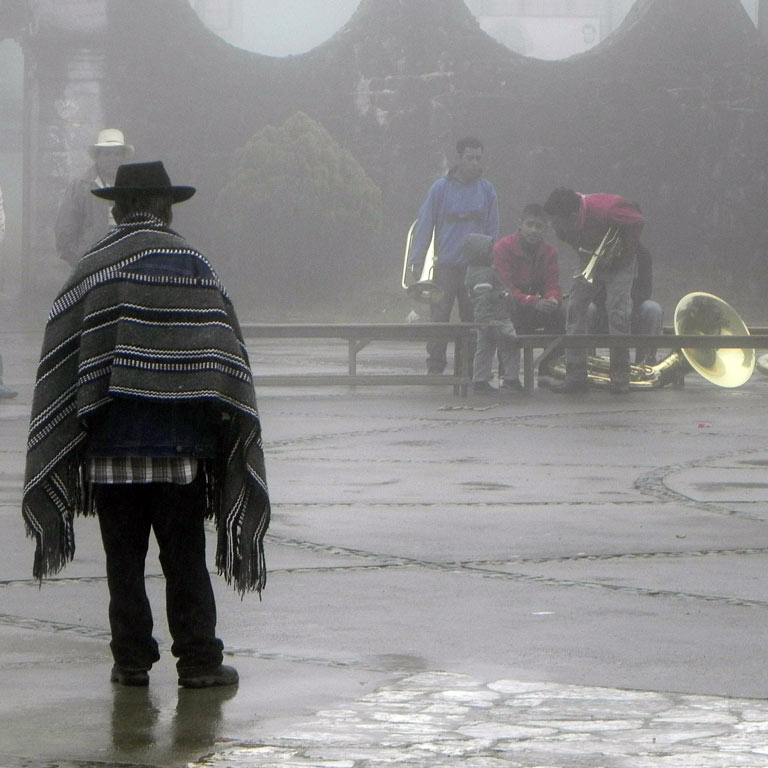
x=705, y=574
x=742, y=484
x=443, y=719
x=506, y=532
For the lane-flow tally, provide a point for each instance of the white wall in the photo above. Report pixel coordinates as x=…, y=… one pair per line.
x=552, y=28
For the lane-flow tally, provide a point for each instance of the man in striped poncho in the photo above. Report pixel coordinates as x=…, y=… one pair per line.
x=144, y=413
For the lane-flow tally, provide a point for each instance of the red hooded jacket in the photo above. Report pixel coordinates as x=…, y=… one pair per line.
x=599, y=212
x=527, y=280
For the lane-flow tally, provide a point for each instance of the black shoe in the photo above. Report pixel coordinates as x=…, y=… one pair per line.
x=571, y=388
x=483, y=388
x=434, y=371
x=126, y=676
x=512, y=385
x=619, y=388
x=207, y=678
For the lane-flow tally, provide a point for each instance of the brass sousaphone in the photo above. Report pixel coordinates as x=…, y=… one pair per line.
x=696, y=314
x=703, y=313
x=425, y=288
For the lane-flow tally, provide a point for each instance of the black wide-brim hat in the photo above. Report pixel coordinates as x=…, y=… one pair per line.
x=133, y=178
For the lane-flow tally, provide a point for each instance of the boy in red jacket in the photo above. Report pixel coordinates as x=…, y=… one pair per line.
x=528, y=268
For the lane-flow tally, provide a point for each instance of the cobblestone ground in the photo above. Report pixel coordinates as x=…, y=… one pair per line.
x=440, y=719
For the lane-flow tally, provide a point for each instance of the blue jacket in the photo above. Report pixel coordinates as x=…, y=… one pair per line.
x=454, y=210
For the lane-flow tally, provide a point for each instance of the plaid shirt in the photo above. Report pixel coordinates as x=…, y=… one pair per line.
x=112, y=470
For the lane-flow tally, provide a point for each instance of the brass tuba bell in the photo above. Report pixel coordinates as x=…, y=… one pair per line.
x=708, y=315
x=425, y=288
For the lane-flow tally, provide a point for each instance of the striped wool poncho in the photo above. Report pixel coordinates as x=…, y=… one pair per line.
x=117, y=333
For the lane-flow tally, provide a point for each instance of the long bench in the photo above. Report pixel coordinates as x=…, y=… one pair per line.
x=359, y=336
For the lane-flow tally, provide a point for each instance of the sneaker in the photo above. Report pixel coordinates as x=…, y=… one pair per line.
x=483, y=388
x=126, y=676
x=513, y=385
x=207, y=678
x=571, y=388
x=7, y=392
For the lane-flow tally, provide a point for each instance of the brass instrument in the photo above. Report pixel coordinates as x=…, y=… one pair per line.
x=703, y=313
x=668, y=371
x=696, y=314
x=425, y=288
x=610, y=248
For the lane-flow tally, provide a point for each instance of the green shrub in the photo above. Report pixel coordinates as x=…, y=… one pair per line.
x=298, y=218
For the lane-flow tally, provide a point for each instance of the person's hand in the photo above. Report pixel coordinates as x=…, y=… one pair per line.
x=547, y=306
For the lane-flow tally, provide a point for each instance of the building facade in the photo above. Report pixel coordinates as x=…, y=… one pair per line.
x=224, y=17
x=544, y=29
x=556, y=29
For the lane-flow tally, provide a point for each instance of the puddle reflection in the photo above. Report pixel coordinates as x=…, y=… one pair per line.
x=133, y=718
x=196, y=722
x=198, y=717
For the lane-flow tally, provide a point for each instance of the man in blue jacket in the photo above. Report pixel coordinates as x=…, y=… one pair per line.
x=459, y=204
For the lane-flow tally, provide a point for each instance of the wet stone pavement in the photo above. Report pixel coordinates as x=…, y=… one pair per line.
x=441, y=719
x=530, y=582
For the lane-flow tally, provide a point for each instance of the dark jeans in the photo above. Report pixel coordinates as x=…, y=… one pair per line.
x=618, y=303
x=647, y=319
x=127, y=514
x=450, y=279
x=529, y=319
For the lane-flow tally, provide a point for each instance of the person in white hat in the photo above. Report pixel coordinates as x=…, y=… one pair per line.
x=84, y=219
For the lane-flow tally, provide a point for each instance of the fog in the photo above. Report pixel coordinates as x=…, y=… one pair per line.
x=389, y=98
x=284, y=27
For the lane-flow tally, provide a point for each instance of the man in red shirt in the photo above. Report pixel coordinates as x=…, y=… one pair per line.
x=528, y=268
x=582, y=221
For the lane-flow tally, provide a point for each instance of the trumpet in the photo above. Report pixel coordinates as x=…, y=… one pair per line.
x=425, y=288
x=610, y=249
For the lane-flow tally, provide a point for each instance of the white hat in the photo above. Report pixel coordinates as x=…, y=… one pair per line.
x=110, y=138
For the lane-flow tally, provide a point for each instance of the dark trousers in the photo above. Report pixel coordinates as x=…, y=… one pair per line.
x=529, y=319
x=450, y=279
x=127, y=514
x=618, y=304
